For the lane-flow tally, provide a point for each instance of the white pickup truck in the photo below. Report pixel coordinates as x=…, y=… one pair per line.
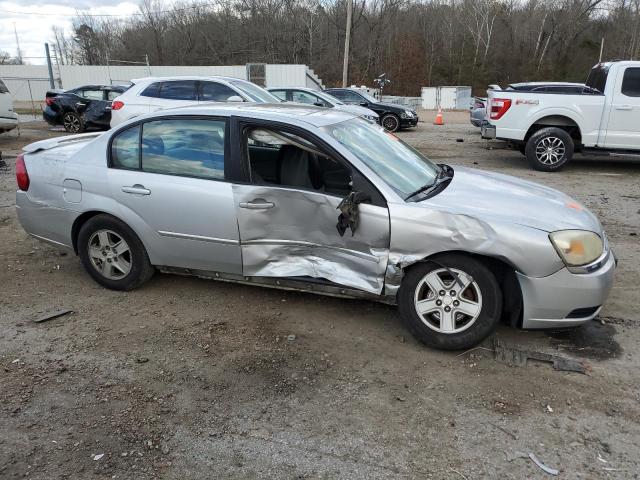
x=549, y=127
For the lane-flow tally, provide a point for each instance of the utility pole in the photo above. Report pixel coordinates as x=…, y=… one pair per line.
x=601, y=49
x=19, y=53
x=347, y=41
x=46, y=50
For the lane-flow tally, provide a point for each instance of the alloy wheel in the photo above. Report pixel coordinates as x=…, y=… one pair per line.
x=390, y=123
x=448, y=300
x=71, y=123
x=550, y=150
x=110, y=254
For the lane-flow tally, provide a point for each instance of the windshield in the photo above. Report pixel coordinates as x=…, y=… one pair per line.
x=328, y=98
x=399, y=165
x=256, y=93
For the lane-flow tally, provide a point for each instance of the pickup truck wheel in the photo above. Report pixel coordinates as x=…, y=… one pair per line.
x=549, y=149
x=450, y=302
x=72, y=122
x=113, y=254
x=390, y=122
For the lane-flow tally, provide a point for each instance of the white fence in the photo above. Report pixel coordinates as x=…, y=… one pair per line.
x=450, y=98
x=27, y=81
x=411, y=102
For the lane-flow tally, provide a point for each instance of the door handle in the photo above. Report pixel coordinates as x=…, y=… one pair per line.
x=623, y=107
x=80, y=104
x=257, y=204
x=137, y=190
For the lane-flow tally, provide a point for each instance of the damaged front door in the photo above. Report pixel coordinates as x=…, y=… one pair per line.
x=289, y=218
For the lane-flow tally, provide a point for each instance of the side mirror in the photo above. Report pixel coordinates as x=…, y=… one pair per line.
x=364, y=104
x=318, y=104
x=235, y=99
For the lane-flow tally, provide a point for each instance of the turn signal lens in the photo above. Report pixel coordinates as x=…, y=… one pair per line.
x=577, y=247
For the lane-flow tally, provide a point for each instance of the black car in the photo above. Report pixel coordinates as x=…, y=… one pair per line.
x=393, y=117
x=81, y=108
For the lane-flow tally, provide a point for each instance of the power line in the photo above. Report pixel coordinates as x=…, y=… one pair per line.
x=82, y=14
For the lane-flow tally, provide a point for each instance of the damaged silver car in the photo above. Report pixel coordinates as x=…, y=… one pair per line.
x=317, y=200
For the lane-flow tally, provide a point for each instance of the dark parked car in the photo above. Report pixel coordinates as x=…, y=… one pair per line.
x=393, y=117
x=81, y=108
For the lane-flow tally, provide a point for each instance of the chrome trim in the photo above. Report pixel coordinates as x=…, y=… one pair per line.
x=593, y=266
x=355, y=253
x=187, y=236
x=48, y=240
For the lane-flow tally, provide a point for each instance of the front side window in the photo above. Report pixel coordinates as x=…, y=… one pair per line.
x=351, y=97
x=182, y=90
x=185, y=147
x=283, y=159
x=281, y=94
x=399, y=165
x=125, y=149
x=215, y=92
x=631, y=82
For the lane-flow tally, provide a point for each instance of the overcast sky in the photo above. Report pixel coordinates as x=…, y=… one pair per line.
x=34, y=30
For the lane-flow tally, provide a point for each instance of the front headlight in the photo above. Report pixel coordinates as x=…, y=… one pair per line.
x=577, y=247
x=407, y=114
x=371, y=118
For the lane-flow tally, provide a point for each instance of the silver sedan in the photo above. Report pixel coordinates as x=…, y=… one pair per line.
x=317, y=200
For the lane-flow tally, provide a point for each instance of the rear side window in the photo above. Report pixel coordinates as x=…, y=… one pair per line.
x=91, y=94
x=183, y=90
x=281, y=94
x=192, y=148
x=598, y=77
x=215, y=92
x=631, y=82
x=111, y=94
x=125, y=149
x=3, y=87
x=152, y=90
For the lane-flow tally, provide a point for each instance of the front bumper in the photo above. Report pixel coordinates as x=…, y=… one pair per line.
x=8, y=121
x=565, y=299
x=409, y=122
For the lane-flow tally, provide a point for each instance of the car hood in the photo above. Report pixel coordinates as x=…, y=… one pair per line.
x=392, y=106
x=493, y=196
x=357, y=110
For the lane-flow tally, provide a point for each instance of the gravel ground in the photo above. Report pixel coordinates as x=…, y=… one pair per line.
x=188, y=378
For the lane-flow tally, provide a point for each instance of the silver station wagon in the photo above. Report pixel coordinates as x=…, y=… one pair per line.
x=322, y=201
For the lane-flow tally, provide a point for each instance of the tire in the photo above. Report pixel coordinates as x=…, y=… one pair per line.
x=104, y=257
x=72, y=122
x=549, y=149
x=478, y=309
x=390, y=122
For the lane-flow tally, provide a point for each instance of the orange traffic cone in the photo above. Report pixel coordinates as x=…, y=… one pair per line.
x=439, y=120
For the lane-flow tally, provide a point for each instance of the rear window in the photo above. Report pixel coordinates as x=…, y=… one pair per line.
x=3, y=87
x=631, y=82
x=597, y=78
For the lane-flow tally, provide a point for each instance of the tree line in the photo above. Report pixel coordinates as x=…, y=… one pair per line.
x=415, y=42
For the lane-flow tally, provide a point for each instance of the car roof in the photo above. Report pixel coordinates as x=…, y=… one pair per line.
x=283, y=112
x=186, y=77
x=306, y=89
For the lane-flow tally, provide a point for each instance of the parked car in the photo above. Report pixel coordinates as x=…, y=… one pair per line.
x=320, y=99
x=158, y=93
x=478, y=111
x=81, y=108
x=317, y=200
x=8, y=118
x=392, y=117
x=549, y=126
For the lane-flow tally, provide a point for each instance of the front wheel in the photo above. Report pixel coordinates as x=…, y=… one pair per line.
x=450, y=302
x=390, y=122
x=549, y=149
x=113, y=254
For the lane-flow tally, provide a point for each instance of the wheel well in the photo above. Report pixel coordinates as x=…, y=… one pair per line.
x=77, y=225
x=558, y=121
x=506, y=277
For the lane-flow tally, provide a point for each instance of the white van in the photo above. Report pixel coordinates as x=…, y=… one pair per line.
x=8, y=118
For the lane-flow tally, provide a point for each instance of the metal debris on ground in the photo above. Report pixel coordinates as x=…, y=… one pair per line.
x=549, y=470
x=519, y=358
x=52, y=315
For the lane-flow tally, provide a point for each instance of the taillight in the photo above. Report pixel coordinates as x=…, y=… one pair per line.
x=22, y=176
x=117, y=105
x=49, y=101
x=499, y=107
x=478, y=104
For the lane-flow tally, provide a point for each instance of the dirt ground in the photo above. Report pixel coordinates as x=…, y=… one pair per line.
x=188, y=378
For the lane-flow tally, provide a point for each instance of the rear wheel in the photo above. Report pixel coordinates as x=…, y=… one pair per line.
x=549, y=149
x=72, y=122
x=113, y=254
x=451, y=302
